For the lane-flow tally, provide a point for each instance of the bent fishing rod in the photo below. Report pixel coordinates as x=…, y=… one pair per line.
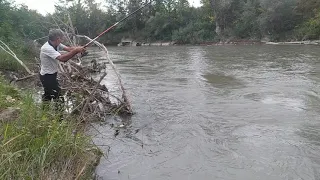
x=117, y=23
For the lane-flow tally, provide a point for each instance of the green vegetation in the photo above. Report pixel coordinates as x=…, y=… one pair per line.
x=165, y=20
x=18, y=26
x=35, y=144
x=7, y=94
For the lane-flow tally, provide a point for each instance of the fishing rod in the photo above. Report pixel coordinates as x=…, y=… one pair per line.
x=117, y=23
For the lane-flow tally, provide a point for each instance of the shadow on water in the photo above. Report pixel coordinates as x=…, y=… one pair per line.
x=223, y=81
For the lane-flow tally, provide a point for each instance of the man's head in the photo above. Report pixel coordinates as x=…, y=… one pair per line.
x=55, y=36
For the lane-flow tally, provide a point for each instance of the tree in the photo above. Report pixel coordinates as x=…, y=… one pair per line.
x=308, y=8
x=247, y=25
x=277, y=18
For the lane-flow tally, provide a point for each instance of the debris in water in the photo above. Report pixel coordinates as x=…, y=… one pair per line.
x=116, y=133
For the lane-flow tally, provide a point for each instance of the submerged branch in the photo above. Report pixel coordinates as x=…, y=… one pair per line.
x=91, y=94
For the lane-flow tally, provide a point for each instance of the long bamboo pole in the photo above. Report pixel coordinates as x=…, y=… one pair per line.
x=114, y=25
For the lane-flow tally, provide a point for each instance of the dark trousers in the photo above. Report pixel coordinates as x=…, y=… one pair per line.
x=51, y=87
x=52, y=91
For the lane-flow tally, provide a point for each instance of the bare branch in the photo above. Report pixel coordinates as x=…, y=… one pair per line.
x=9, y=51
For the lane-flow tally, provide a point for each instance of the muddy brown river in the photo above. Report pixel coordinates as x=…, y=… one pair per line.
x=214, y=113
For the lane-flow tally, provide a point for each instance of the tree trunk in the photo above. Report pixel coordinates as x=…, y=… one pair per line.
x=213, y=4
x=218, y=28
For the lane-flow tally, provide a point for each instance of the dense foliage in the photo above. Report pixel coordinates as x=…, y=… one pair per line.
x=168, y=20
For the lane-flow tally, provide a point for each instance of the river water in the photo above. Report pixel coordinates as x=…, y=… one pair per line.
x=215, y=112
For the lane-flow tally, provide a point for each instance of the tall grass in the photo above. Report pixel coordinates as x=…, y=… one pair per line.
x=9, y=96
x=38, y=145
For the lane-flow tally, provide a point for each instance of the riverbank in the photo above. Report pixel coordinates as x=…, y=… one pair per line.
x=36, y=144
x=213, y=43
x=314, y=42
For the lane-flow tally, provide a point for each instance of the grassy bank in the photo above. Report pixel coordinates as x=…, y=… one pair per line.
x=35, y=144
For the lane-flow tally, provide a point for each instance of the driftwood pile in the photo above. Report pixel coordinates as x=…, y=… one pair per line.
x=83, y=95
x=78, y=84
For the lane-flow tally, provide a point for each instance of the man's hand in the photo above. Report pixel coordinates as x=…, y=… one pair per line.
x=69, y=55
x=80, y=49
x=84, y=53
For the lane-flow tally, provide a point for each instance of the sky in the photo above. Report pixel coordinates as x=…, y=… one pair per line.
x=47, y=6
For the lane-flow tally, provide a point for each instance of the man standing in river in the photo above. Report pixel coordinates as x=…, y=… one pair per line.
x=49, y=57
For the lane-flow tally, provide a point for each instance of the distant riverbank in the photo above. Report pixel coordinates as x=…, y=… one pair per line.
x=211, y=43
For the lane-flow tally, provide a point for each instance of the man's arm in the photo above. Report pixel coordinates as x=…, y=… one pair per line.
x=70, y=54
x=69, y=49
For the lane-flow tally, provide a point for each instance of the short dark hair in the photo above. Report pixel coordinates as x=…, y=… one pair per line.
x=54, y=34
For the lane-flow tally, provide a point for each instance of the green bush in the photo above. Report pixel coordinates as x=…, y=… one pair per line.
x=193, y=33
x=309, y=29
